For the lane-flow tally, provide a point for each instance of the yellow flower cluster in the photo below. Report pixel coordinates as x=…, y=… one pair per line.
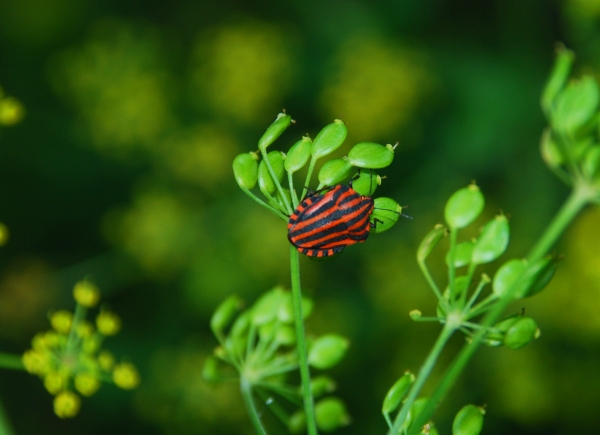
x=69, y=359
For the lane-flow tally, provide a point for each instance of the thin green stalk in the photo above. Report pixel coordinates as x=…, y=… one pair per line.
x=423, y=375
x=451, y=268
x=579, y=197
x=433, y=284
x=292, y=190
x=309, y=407
x=250, y=407
x=5, y=426
x=73, y=339
x=265, y=205
x=11, y=361
x=311, y=168
x=276, y=181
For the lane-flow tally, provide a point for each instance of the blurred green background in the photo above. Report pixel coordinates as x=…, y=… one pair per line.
x=121, y=171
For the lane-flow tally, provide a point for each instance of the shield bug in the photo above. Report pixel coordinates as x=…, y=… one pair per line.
x=323, y=225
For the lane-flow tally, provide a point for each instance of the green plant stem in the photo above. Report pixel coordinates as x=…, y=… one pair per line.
x=11, y=361
x=73, y=339
x=309, y=407
x=451, y=268
x=423, y=375
x=250, y=407
x=5, y=426
x=579, y=197
x=311, y=168
x=292, y=190
x=265, y=205
x=276, y=181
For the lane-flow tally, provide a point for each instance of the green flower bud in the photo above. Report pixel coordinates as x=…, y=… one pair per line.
x=326, y=351
x=334, y=172
x=395, y=395
x=285, y=313
x=550, y=151
x=462, y=254
x=430, y=241
x=366, y=183
x=468, y=421
x=331, y=414
x=520, y=333
x=224, y=314
x=298, y=155
x=265, y=182
x=558, y=77
x=321, y=385
x=245, y=170
x=274, y=131
x=492, y=241
x=386, y=213
x=507, y=275
x=329, y=139
x=464, y=206
x=415, y=314
x=266, y=307
x=241, y=324
x=86, y=384
x=576, y=106
x=591, y=162
x=538, y=276
x=67, y=404
x=297, y=422
x=371, y=155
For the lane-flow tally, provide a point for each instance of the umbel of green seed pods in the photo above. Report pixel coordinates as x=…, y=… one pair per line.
x=468, y=421
x=395, y=395
x=274, y=130
x=492, y=241
x=265, y=182
x=521, y=333
x=245, y=170
x=298, y=155
x=334, y=172
x=371, y=155
x=327, y=350
x=464, y=206
x=329, y=139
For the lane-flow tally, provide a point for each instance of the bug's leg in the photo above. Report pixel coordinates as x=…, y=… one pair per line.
x=374, y=223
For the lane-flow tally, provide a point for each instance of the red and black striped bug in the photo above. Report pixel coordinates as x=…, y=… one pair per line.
x=323, y=225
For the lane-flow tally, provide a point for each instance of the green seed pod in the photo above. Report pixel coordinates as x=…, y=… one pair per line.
x=464, y=206
x=591, y=163
x=507, y=275
x=334, y=172
x=224, y=314
x=462, y=254
x=265, y=182
x=551, y=153
x=245, y=170
x=371, y=155
x=282, y=122
x=538, y=276
x=415, y=410
x=285, y=313
x=576, y=106
x=239, y=329
x=430, y=241
x=395, y=395
x=298, y=155
x=492, y=241
x=366, y=183
x=210, y=370
x=297, y=422
x=321, y=385
x=327, y=351
x=266, y=307
x=331, y=414
x=468, y=421
x=329, y=139
x=286, y=336
x=558, y=77
x=496, y=337
x=385, y=214
x=523, y=331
